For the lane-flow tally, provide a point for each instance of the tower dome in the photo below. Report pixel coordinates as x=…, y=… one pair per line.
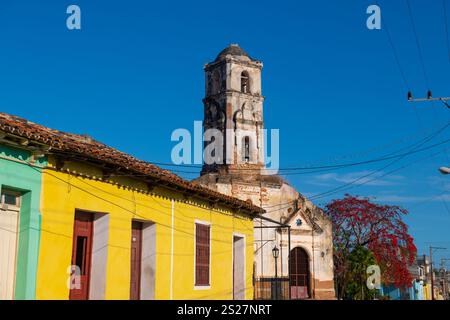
x=233, y=50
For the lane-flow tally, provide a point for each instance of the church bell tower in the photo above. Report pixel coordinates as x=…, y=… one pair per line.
x=233, y=104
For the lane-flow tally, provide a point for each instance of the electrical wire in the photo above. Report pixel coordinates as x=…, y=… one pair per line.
x=343, y=165
x=344, y=187
x=447, y=40
x=419, y=49
x=394, y=51
x=351, y=185
x=348, y=185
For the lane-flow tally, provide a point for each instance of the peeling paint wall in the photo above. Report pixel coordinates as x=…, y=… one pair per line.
x=278, y=200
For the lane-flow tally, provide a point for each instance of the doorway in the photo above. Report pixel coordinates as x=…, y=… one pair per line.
x=142, y=260
x=136, y=260
x=300, y=278
x=82, y=254
x=238, y=268
x=9, y=227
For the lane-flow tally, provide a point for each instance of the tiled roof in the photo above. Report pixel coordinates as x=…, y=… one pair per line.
x=86, y=147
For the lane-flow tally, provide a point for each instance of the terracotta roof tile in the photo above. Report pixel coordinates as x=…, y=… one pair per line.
x=85, y=146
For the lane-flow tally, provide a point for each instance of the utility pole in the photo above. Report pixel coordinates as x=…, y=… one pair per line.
x=445, y=280
x=429, y=98
x=443, y=170
x=431, y=268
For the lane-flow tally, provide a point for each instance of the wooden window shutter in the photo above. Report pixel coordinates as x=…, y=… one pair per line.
x=202, y=253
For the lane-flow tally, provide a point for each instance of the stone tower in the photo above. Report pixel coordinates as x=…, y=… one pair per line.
x=233, y=104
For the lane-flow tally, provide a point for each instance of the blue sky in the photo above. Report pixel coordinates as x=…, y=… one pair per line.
x=134, y=73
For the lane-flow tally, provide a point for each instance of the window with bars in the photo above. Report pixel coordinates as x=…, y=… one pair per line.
x=202, y=254
x=10, y=198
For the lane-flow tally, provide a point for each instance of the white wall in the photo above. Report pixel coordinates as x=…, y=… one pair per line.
x=148, y=261
x=97, y=285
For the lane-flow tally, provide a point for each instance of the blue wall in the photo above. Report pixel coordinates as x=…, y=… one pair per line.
x=415, y=292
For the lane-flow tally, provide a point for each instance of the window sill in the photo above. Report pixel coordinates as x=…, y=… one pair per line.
x=206, y=287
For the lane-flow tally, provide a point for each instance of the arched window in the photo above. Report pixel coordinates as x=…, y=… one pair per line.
x=246, y=149
x=245, y=82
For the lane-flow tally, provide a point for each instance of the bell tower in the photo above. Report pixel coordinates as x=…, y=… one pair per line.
x=233, y=104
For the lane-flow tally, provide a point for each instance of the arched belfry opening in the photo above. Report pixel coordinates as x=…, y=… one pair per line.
x=245, y=82
x=246, y=149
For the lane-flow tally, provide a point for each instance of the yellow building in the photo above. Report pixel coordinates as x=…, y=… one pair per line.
x=115, y=227
x=427, y=292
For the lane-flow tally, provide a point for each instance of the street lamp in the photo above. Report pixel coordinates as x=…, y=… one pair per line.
x=275, y=253
x=431, y=268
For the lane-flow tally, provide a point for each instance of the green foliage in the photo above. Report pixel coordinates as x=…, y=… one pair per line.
x=359, y=259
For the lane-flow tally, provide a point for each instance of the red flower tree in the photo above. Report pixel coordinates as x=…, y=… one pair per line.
x=379, y=228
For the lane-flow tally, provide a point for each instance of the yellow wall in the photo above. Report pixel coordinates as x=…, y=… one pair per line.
x=427, y=292
x=63, y=193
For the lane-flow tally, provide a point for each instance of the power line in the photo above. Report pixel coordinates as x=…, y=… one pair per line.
x=351, y=185
x=122, y=207
x=321, y=195
x=344, y=165
x=396, y=56
x=398, y=157
x=419, y=49
x=447, y=40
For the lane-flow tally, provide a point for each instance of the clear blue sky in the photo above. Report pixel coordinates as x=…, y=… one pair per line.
x=134, y=73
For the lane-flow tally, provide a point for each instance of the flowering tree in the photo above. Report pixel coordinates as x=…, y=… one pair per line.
x=357, y=222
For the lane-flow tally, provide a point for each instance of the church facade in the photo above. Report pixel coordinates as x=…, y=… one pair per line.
x=233, y=106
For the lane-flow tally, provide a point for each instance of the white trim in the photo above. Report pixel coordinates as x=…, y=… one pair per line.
x=148, y=256
x=10, y=207
x=171, y=250
x=243, y=236
x=202, y=287
x=99, y=255
x=206, y=223
x=15, y=210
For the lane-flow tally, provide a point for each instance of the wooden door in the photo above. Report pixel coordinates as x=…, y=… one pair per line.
x=9, y=225
x=136, y=260
x=82, y=254
x=300, y=279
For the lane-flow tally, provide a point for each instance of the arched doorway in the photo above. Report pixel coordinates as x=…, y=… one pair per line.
x=300, y=278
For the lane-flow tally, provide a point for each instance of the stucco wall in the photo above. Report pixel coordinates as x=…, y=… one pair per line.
x=174, y=275
x=278, y=202
x=16, y=174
